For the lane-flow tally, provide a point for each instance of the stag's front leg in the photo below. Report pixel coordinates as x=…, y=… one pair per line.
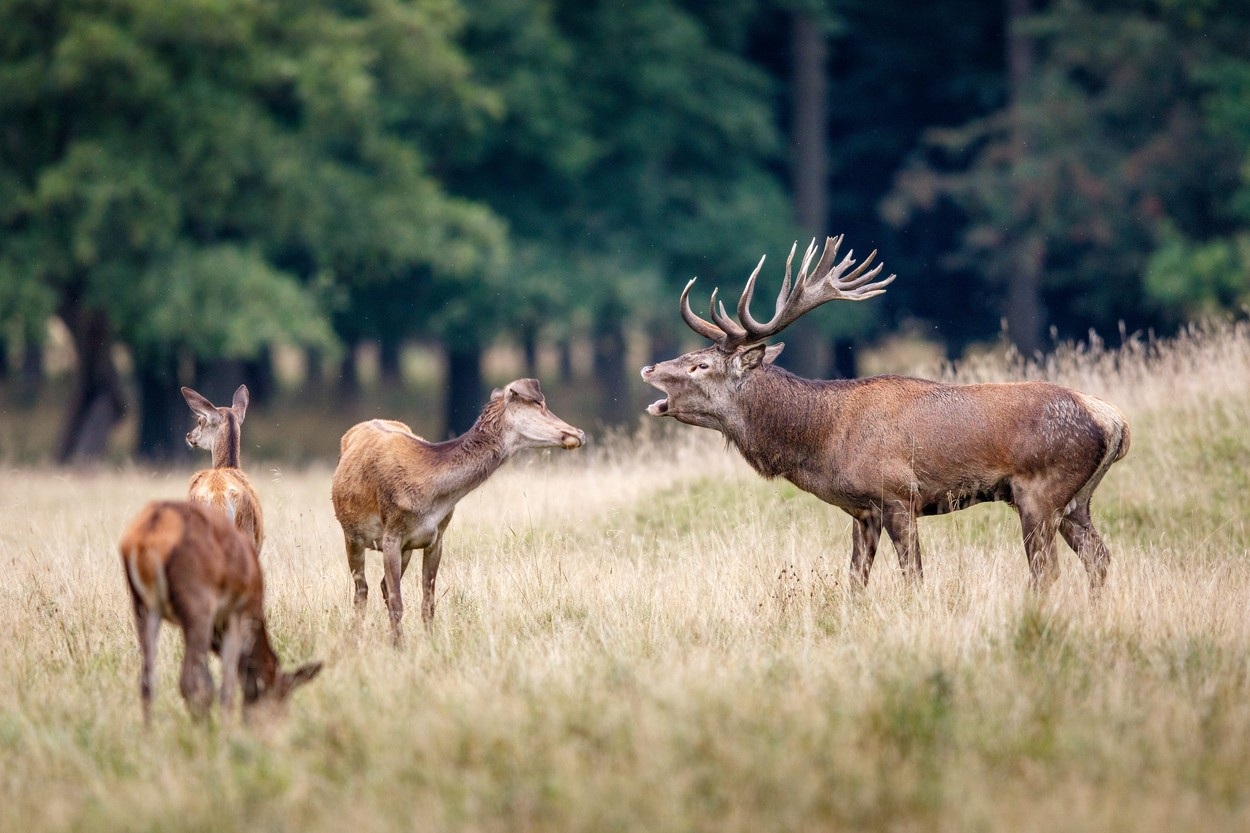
x=392, y=569
x=900, y=523
x=865, y=535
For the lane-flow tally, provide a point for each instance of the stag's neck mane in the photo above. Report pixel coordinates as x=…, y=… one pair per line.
x=774, y=427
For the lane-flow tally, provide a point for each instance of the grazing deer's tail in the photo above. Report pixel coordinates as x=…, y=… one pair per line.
x=146, y=547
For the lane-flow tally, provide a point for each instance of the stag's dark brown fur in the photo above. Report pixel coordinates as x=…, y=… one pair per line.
x=187, y=564
x=889, y=448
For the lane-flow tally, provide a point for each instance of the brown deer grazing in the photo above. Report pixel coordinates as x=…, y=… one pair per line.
x=887, y=449
x=224, y=486
x=395, y=492
x=186, y=563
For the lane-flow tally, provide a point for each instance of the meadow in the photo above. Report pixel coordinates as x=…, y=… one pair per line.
x=645, y=635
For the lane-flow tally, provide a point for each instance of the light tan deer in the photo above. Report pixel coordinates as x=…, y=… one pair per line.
x=395, y=492
x=187, y=564
x=225, y=487
x=889, y=448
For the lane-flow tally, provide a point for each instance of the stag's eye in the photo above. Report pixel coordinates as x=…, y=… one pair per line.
x=702, y=366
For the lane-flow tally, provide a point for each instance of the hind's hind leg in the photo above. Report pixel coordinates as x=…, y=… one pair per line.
x=1078, y=530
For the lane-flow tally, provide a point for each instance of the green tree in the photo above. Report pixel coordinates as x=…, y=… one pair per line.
x=1102, y=149
x=187, y=178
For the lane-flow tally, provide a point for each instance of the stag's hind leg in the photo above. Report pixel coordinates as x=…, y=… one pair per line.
x=900, y=523
x=1078, y=530
x=865, y=536
x=1038, y=524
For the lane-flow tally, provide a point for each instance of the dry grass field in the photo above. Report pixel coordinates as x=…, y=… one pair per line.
x=647, y=636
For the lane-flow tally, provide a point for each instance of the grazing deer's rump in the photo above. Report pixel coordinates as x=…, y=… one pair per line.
x=887, y=449
x=395, y=492
x=187, y=564
x=224, y=487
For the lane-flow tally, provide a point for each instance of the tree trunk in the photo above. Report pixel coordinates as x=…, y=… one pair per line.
x=349, y=374
x=842, y=359
x=30, y=377
x=529, y=349
x=390, y=362
x=465, y=393
x=161, y=408
x=1026, y=317
x=564, y=352
x=258, y=374
x=609, y=361
x=97, y=402
x=810, y=172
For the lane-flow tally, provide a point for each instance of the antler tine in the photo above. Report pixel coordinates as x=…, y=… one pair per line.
x=733, y=331
x=694, y=322
x=744, y=301
x=856, y=286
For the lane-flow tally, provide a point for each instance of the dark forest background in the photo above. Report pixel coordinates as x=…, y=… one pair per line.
x=191, y=190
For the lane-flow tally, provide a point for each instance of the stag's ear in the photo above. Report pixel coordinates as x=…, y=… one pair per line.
x=495, y=394
x=748, y=359
x=239, y=405
x=771, y=354
x=198, y=403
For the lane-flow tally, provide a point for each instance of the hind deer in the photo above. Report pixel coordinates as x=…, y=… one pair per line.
x=395, y=492
x=224, y=487
x=186, y=563
x=887, y=449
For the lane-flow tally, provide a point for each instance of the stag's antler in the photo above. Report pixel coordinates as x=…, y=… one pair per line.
x=807, y=293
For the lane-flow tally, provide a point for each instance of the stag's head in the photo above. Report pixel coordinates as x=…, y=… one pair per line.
x=700, y=387
x=210, y=420
x=522, y=414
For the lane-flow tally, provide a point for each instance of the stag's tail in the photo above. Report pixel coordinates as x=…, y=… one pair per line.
x=1117, y=437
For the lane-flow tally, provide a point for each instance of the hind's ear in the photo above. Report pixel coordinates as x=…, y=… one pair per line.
x=304, y=674
x=239, y=405
x=198, y=403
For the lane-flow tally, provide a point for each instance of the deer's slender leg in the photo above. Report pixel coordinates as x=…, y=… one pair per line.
x=231, y=651
x=356, y=563
x=1038, y=525
x=865, y=536
x=430, y=558
x=900, y=523
x=195, y=682
x=148, y=625
x=1078, y=530
x=392, y=568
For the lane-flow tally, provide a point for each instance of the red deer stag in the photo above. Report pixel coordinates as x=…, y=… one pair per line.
x=887, y=449
x=395, y=492
x=224, y=486
x=187, y=564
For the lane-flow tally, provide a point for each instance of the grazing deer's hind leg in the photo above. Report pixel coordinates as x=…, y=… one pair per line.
x=195, y=682
x=356, y=563
x=1078, y=530
x=231, y=650
x=148, y=625
x=900, y=523
x=865, y=535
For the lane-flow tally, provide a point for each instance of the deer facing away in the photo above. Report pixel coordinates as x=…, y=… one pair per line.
x=187, y=564
x=224, y=487
x=395, y=492
x=887, y=449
